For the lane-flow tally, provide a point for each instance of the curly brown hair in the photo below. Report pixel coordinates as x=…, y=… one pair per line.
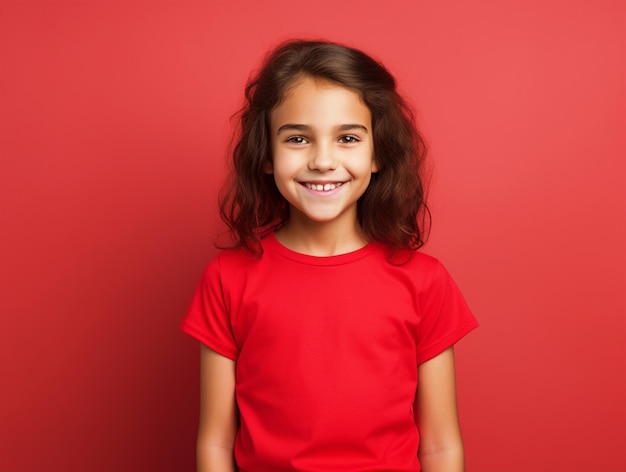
x=392, y=210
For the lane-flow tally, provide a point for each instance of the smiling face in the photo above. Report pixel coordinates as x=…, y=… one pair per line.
x=322, y=152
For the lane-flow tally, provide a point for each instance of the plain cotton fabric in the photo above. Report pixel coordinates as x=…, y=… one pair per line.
x=327, y=350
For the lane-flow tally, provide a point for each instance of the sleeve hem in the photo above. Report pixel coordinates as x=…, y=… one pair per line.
x=446, y=342
x=215, y=345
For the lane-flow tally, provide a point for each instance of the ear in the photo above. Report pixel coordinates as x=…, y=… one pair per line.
x=269, y=167
x=375, y=167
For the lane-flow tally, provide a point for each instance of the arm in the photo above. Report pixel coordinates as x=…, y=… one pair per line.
x=441, y=445
x=218, y=413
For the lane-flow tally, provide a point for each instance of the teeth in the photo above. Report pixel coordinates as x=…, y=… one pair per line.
x=322, y=188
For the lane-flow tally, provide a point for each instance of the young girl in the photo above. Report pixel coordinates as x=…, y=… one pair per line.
x=317, y=324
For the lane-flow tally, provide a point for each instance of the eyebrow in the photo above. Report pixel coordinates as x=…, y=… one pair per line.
x=298, y=127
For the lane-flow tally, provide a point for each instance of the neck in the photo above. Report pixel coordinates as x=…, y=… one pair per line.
x=321, y=239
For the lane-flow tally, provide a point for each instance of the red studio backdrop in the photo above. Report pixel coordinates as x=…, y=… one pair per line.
x=115, y=121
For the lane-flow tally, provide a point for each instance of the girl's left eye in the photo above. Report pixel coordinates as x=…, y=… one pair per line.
x=348, y=139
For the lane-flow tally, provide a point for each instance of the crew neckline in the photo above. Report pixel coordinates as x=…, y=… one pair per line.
x=272, y=242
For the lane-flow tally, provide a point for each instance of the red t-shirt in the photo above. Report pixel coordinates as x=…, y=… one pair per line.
x=327, y=350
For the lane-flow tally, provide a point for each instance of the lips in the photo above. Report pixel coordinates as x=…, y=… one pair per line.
x=322, y=187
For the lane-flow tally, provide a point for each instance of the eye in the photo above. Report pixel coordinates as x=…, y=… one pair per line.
x=296, y=140
x=349, y=139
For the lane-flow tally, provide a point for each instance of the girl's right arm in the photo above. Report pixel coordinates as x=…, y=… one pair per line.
x=218, y=413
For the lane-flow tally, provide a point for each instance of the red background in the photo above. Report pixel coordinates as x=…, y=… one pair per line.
x=113, y=135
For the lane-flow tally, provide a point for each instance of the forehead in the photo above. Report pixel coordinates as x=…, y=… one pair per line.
x=309, y=100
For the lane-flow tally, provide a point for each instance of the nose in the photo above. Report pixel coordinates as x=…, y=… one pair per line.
x=323, y=158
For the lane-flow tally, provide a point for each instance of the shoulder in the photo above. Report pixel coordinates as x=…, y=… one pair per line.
x=413, y=261
x=238, y=261
x=431, y=269
x=229, y=261
x=425, y=261
x=424, y=274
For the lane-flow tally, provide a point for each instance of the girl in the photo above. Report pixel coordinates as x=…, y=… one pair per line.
x=319, y=320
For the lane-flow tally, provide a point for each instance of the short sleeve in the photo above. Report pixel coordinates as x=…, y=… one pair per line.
x=208, y=318
x=444, y=316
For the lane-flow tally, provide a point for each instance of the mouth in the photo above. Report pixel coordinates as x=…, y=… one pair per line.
x=322, y=187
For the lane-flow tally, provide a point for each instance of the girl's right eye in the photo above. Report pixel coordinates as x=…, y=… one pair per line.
x=296, y=140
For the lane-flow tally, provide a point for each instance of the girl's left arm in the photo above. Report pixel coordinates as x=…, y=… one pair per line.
x=441, y=445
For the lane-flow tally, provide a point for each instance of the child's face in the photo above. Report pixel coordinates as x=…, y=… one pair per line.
x=322, y=151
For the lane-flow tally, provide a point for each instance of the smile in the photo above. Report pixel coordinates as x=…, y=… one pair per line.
x=323, y=187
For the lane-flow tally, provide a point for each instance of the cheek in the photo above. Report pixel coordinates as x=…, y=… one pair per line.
x=284, y=163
